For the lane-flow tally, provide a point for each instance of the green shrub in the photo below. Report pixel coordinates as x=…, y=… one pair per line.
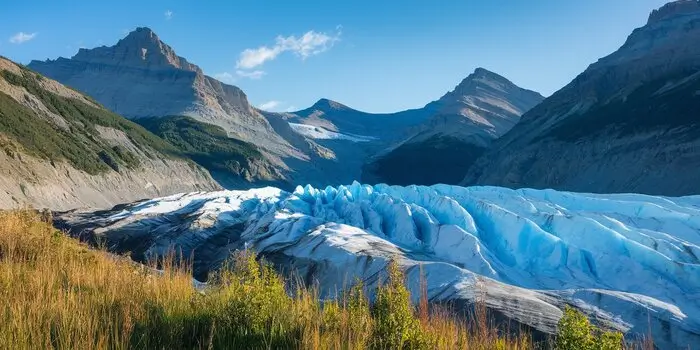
x=395, y=322
x=576, y=333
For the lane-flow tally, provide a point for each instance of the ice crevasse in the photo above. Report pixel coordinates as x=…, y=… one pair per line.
x=625, y=259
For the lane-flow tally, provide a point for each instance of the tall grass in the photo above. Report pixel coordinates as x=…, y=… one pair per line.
x=58, y=293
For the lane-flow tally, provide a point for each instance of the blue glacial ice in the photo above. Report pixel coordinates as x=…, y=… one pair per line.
x=625, y=259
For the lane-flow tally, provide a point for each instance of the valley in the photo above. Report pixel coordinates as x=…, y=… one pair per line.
x=491, y=199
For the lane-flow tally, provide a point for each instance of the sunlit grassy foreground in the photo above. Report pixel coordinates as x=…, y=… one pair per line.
x=58, y=293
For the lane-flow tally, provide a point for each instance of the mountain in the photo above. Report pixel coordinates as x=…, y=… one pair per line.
x=464, y=122
x=338, y=139
x=628, y=123
x=142, y=77
x=63, y=150
x=629, y=261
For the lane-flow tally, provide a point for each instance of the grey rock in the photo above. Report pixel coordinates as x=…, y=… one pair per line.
x=626, y=124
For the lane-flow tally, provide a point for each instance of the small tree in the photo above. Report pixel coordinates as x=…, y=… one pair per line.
x=395, y=323
x=576, y=333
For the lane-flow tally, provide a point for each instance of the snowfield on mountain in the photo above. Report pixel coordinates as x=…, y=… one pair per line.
x=629, y=261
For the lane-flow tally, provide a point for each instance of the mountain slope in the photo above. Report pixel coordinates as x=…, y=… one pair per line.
x=62, y=150
x=630, y=261
x=141, y=76
x=466, y=120
x=626, y=124
x=233, y=163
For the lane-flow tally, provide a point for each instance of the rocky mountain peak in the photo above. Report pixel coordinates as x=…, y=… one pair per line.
x=325, y=104
x=140, y=48
x=484, y=87
x=674, y=8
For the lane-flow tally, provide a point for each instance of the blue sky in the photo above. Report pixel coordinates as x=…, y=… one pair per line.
x=371, y=55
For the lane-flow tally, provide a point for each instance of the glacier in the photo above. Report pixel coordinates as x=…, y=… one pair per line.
x=319, y=133
x=629, y=261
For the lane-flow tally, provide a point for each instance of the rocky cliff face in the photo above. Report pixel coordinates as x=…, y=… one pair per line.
x=61, y=150
x=141, y=76
x=626, y=124
x=464, y=122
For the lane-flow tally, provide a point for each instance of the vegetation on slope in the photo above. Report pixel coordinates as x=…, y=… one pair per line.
x=57, y=293
x=80, y=144
x=439, y=159
x=209, y=146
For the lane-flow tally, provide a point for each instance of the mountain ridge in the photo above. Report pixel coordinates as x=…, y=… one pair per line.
x=463, y=123
x=62, y=150
x=650, y=75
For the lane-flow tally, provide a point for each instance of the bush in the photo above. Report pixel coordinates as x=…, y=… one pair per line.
x=576, y=333
x=396, y=325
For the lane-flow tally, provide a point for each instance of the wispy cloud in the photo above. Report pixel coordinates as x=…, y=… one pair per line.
x=255, y=74
x=168, y=14
x=309, y=44
x=226, y=77
x=269, y=105
x=291, y=108
x=231, y=78
x=22, y=37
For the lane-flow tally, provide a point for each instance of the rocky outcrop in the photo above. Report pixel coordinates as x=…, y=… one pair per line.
x=465, y=121
x=626, y=124
x=60, y=150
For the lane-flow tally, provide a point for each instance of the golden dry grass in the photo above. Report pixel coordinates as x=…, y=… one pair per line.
x=57, y=293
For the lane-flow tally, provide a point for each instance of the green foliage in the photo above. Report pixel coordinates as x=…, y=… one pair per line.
x=576, y=333
x=206, y=144
x=250, y=299
x=395, y=322
x=79, y=143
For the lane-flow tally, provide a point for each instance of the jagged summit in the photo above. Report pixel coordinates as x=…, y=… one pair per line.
x=140, y=48
x=485, y=86
x=325, y=104
x=674, y=8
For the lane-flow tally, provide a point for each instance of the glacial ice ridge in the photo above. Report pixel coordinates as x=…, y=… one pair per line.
x=629, y=261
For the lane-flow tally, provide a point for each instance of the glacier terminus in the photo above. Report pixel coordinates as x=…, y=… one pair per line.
x=629, y=261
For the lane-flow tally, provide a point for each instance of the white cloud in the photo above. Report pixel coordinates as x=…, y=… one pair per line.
x=309, y=44
x=168, y=14
x=225, y=77
x=22, y=37
x=251, y=58
x=291, y=108
x=255, y=75
x=269, y=105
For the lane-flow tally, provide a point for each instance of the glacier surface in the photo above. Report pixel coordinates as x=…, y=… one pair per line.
x=319, y=133
x=629, y=261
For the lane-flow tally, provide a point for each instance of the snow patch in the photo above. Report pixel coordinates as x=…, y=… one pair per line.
x=319, y=133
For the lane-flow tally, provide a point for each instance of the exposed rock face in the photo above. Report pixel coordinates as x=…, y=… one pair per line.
x=674, y=8
x=626, y=124
x=465, y=121
x=630, y=261
x=131, y=166
x=141, y=76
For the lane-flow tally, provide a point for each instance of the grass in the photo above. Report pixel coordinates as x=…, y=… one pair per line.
x=59, y=294
x=80, y=144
